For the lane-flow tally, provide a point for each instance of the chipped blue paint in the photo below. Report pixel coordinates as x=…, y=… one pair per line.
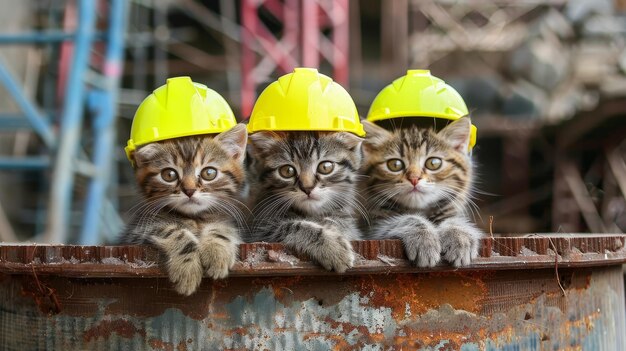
x=469, y=347
x=294, y=321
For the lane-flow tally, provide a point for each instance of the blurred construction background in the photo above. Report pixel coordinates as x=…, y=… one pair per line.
x=545, y=81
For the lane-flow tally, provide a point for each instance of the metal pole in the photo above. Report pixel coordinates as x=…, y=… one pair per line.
x=341, y=41
x=36, y=38
x=233, y=76
x=310, y=34
x=36, y=119
x=161, y=32
x=104, y=125
x=63, y=175
x=139, y=49
x=248, y=57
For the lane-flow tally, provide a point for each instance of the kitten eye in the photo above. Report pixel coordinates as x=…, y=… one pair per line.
x=208, y=173
x=395, y=165
x=169, y=175
x=325, y=167
x=287, y=171
x=433, y=163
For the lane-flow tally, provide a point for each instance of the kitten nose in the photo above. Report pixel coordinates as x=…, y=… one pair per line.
x=306, y=189
x=414, y=181
x=189, y=192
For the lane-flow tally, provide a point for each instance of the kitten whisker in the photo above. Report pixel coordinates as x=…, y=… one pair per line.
x=132, y=212
x=231, y=211
x=270, y=198
x=260, y=229
x=352, y=202
x=385, y=196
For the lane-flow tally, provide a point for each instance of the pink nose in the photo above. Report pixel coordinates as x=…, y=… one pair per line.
x=414, y=181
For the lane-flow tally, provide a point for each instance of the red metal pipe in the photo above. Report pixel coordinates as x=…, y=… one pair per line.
x=249, y=21
x=341, y=41
x=310, y=34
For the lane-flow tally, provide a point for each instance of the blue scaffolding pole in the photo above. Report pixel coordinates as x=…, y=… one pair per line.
x=104, y=104
x=59, y=206
x=65, y=155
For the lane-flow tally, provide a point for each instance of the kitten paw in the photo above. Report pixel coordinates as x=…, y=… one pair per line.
x=183, y=263
x=186, y=275
x=459, y=247
x=217, y=260
x=326, y=246
x=336, y=256
x=423, y=248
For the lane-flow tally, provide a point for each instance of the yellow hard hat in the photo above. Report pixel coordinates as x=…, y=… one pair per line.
x=177, y=109
x=305, y=100
x=419, y=94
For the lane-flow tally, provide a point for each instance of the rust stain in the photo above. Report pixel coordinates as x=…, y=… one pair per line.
x=418, y=338
x=413, y=339
x=282, y=286
x=579, y=279
x=45, y=297
x=346, y=328
x=340, y=342
x=238, y=330
x=463, y=291
x=365, y=337
x=585, y=322
x=105, y=328
x=158, y=344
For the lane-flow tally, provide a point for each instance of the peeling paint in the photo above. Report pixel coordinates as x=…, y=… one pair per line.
x=382, y=306
x=437, y=311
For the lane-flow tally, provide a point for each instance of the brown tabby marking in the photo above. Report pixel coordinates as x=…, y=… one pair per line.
x=191, y=216
x=312, y=211
x=425, y=207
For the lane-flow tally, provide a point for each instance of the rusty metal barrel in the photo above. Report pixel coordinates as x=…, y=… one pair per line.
x=533, y=292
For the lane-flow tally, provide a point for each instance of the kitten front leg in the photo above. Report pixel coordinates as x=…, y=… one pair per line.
x=323, y=243
x=219, y=248
x=419, y=236
x=183, y=264
x=459, y=241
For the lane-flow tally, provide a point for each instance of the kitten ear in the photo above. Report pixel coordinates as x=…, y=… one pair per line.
x=375, y=136
x=234, y=141
x=262, y=140
x=457, y=134
x=145, y=153
x=350, y=140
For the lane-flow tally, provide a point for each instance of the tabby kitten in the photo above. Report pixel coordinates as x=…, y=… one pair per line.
x=192, y=210
x=304, y=193
x=418, y=189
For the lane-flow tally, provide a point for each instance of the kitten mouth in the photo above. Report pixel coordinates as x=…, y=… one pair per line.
x=415, y=190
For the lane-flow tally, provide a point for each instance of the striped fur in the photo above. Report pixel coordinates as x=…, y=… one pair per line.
x=195, y=222
x=321, y=223
x=425, y=208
